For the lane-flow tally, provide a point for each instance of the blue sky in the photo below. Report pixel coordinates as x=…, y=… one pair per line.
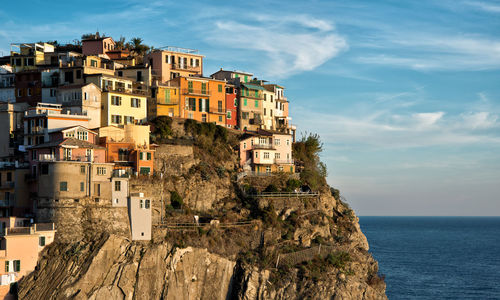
x=405, y=94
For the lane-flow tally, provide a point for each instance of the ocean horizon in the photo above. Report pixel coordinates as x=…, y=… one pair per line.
x=436, y=257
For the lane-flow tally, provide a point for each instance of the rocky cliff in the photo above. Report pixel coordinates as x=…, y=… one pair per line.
x=247, y=246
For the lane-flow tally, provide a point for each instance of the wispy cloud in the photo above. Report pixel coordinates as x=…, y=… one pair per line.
x=489, y=7
x=291, y=45
x=435, y=52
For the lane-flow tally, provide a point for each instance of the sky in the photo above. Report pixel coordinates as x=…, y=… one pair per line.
x=405, y=95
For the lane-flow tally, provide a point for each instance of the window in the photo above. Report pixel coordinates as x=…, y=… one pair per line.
x=244, y=115
x=288, y=142
x=85, y=96
x=29, y=91
x=67, y=154
x=116, y=100
x=277, y=141
x=116, y=119
x=141, y=203
x=204, y=117
x=97, y=190
x=120, y=73
x=7, y=266
x=228, y=115
x=219, y=106
x=192, y=104
x=101, y=171
x=135, y=102
x=19, y=93
x=268, y=169
x=44, y=169
x=63, y=186
x=256, y=103
x=271, y=98
x=266, y=155
x=203, y=88
x=265, y=97
x=262, y=141
x=236, y=102
x=190, y=86
x=277, y=155
x=244, y=145
x=148, y=204
x=78, y=74
x=93, y=63
x=17, y=266
x=82, y=169
x=82, y=186
x=52, y=92
x=129, y=120
x=148, y=155
x=82, y=135
x=220, y=88
x=256, y=154
x=246, y=78
x=220, y=118
x=118, y=186
x=264, y=111
x=244, y=102
x=141, y=155
x=144, y=170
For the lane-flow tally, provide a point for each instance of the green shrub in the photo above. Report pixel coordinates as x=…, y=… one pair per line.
x=293, y=184
x=338, y=259
x=271, y=189
x=176, y=200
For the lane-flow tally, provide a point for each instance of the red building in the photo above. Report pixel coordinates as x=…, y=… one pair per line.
x=29, y=87
x=231, y=106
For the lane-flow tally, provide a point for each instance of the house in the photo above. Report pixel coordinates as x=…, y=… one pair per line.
x=140, y=74
x=128, y=148
x=267, y=151
x=163, y=101
x=14, y=193
x=122, y=100
x=282, y=118
x=231, y=106
x=45, y=118
x=20, y=243
x=7, y=86
x=97, y=45
x=28, y=87
x=202, y=99
x=26, y=56
x=140, y=217
x=82, y=99
x=11, y=129
x=171, y=62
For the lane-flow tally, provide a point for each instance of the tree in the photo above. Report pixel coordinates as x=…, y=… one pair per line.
x=137, y=46
x=120, y=44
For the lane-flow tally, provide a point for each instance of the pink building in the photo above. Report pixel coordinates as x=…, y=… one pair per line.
x=267, y=152
x=20, y=243
x=97, y=45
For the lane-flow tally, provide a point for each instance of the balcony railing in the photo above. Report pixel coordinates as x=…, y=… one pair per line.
x=196, y=92
x=284, y=161
x=4, y=203
x=124, y=90
x=7, y=185
x=263, y=146
x=45, y=227
x=19, y=231
x=185, y=67
x=46, y=157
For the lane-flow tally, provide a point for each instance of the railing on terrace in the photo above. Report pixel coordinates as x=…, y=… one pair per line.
x=44, y=227
x=263, y=146
x=196, y=225
x=19, y=231
x=46, y=157
x=196, y=92
x=124, y=90
x=284, y=161
x=185, y=67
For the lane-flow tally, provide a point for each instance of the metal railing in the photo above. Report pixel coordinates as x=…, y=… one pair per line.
x=19, y=231
x=263, y=146
x=284, y=161
x=185, y=67
x=284, y=194
x=45, y=227
x=196, y=92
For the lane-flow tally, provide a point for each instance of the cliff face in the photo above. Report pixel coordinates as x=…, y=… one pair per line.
x=282, y=247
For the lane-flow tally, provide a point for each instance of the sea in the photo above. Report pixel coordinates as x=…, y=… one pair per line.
x=436, y=257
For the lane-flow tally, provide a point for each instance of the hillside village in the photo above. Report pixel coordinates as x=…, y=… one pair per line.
x=77, y=123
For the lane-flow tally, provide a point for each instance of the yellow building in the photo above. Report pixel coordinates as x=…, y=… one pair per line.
x=27, y=56
x=119, y=108
x=164, y=101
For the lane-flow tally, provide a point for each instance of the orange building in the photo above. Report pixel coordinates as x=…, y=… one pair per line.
x=202, y=99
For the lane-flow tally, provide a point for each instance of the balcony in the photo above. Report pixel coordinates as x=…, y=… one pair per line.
x=263, y=146
x=284, y=161
x=124, y=90
x=19, y=231
x=185, y=67
x=196, y=92
x=46, y=157
x=7, y=185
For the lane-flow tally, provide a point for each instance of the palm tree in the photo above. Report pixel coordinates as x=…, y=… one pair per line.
x=120, y=44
